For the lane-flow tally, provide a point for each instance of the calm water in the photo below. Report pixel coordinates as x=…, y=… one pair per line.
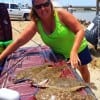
x=86, y=15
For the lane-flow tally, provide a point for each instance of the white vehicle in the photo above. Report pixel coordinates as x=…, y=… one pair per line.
x=16, y=12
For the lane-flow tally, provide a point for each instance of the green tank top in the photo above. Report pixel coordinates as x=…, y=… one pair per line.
x=61, y=39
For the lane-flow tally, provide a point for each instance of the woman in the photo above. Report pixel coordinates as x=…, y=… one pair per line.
x=60, y=31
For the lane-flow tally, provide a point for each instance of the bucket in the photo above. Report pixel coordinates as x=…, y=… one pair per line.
x=9, y=94
x=92, y=36
x=92, y=32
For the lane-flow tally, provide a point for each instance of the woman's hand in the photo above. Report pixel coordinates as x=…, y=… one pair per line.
x=74, y=60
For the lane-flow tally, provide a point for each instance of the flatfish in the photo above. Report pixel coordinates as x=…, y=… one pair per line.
x=56, y=94
x=39, y=73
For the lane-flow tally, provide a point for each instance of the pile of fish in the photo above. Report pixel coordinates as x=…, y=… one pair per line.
x=52, y=86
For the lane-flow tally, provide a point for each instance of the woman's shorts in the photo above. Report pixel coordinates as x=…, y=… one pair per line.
x=85, y=56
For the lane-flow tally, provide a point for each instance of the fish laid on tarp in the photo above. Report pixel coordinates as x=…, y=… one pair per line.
x=40, y=73
x=37, y=74
x=60, y=88
x=62, y=92
x=29, y=72
x=65, y=84
x=56, y=94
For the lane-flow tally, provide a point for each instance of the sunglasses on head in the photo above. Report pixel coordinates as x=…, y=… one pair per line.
x=46, y=4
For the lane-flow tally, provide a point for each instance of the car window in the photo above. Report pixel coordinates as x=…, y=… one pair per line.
x=14, y=6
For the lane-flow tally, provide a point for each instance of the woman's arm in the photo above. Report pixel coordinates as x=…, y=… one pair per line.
x=24, y=37
x=70, y=21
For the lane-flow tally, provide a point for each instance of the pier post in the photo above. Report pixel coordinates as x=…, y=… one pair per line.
x=97, y=6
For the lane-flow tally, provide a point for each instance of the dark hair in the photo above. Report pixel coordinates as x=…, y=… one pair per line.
x=5, y=24
x=33, y=2
x=33, y=14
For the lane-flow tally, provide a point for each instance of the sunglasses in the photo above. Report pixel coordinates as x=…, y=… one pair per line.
x=46, y=4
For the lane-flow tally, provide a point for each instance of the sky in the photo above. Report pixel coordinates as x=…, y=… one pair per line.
x=75, y=2
x=59, y=2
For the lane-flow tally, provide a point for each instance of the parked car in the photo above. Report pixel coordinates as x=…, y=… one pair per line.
x=16, y=12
